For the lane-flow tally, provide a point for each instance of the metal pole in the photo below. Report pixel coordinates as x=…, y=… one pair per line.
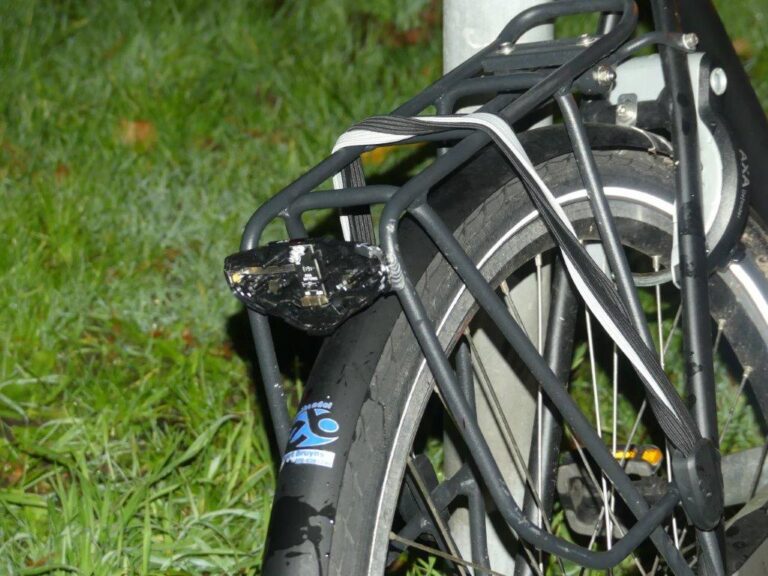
x=469, y=26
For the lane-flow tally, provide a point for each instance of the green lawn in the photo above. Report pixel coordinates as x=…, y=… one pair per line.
x=135, y=140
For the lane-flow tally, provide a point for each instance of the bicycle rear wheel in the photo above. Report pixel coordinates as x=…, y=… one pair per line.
x=402, y=447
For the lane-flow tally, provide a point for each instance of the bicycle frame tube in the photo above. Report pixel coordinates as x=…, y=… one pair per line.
x=697, y=340
x=740, y=105
x=519, y=95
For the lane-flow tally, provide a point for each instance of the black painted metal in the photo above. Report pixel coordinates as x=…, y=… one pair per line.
x=314, y=490
x=510, y=111
x=462, y=483
x=376, y=194
x=693, y=277
x=485, y=85
x=535, y=55
x=271, y=379
x=740, y=104
x=745, y=536
x=558, y=352
x=475, y=499
x=606, y=226
x=472, y=435
x=693, y=267
x=295, y=199
x=295, y=227
x=671, y=39
x=607, y=21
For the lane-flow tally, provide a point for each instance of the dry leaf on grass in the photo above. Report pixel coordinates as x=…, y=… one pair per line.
x=426, y=29
x=140, y=134
x=61, y=172
x=377, y=156
x=743, y=48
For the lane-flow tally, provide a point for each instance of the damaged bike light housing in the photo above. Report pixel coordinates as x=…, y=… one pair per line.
x=312, y=284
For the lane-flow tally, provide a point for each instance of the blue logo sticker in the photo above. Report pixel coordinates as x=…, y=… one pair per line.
x=313, y=427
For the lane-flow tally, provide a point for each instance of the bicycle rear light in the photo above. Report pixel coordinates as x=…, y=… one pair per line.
x=313, y=284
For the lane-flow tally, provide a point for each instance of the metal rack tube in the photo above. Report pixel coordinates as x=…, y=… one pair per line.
x=601, y=210
x=484, y=85
x=649, y=519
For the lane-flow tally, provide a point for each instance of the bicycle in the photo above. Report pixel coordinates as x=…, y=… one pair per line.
x=441, y=418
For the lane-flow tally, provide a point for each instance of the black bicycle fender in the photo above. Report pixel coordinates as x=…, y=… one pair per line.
x=312, y=470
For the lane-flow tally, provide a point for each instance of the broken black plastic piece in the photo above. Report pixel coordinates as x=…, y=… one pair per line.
x=312, y=284
x=700, y=481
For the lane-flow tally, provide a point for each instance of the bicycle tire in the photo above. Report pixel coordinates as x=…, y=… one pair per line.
x=376, y=352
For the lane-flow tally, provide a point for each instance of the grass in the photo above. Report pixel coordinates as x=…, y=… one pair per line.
x=135, y=140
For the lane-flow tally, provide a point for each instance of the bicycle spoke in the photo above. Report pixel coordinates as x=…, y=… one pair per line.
x=506, y=432
x=719, y=335
x=622, y=463
x=598, y=424
x=614, y=519
x=669, y=475
x=476, y=511
x=644, y=404
x=614, y=414
x=662, y=361
x=659, y=317
x=732, y=411
x=513, y=309
x=437, y=519
x=622, y=532
x=615, y=407
x=664, y=346
x=672, y=330
x=444, y=555
x=539, y=396
x=655, y=566
x=526, y=549
x=501, y=421
x=684, y=550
